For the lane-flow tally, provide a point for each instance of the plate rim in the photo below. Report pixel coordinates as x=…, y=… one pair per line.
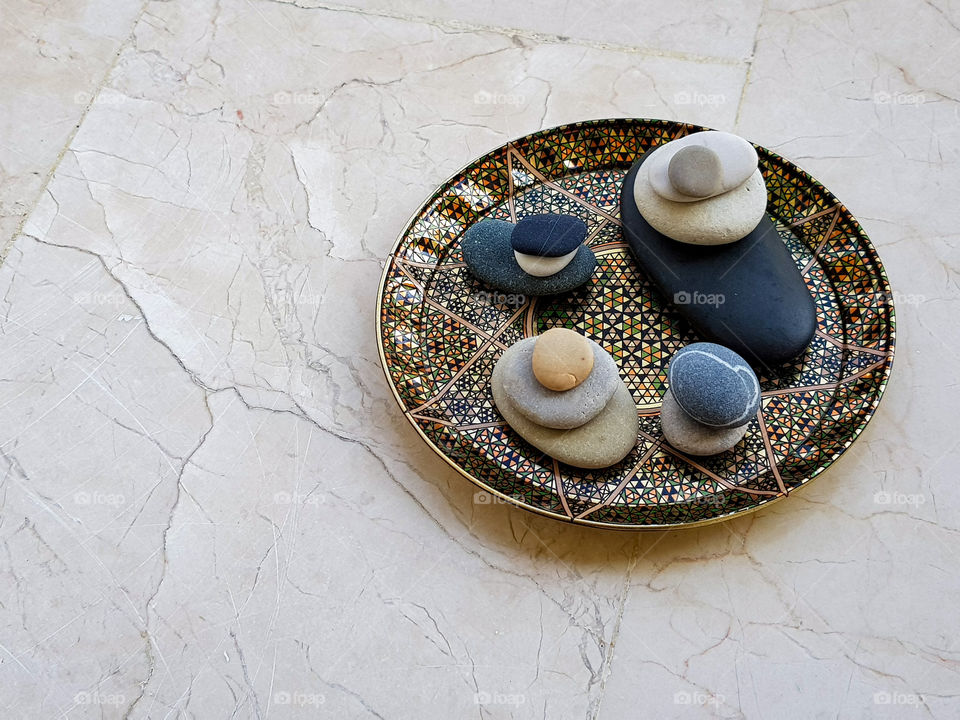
x=627, y=527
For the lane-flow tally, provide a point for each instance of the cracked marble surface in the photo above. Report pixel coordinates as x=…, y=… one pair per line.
x=210, y=505
x=55, y=57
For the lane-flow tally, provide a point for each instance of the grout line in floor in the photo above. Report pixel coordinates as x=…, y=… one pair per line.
x=541, y=37
x=9, y=242
x=750, y=61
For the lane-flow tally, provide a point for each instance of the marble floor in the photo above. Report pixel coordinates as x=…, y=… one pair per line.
x=210, y=505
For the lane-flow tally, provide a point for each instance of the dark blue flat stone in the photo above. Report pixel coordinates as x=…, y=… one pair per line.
x=548, y=235
x=714, y=385
x=767, y=314
x=489, y=255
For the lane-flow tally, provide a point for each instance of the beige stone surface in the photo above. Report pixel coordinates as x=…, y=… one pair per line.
x=562, y=358
x=55, y=58
x=716, y=220
x=210, y=506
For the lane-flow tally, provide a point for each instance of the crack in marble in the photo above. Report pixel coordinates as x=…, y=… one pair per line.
x=460, y=26
x=7, y=243
x=586, y=617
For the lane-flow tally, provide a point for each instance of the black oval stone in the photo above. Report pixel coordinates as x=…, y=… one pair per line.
x=748, y=295
x=548, y=235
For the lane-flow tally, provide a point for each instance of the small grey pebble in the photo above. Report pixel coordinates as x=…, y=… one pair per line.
x=688, y=436
x=696, y=171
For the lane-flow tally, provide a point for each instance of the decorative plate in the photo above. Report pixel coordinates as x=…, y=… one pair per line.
x=441, y=332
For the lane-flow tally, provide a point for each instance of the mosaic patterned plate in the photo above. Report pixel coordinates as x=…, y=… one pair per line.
x=441, y=333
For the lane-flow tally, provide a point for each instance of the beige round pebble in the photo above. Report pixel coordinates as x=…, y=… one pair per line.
x=717, y=220
x=544, y=266
x=562, y=359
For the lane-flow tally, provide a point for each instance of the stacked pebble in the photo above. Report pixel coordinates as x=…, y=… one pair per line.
x=545, y=244
x=703, y=189
x=540, y=255
x=563, y=394
x=712, y=397
x=694, y=214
